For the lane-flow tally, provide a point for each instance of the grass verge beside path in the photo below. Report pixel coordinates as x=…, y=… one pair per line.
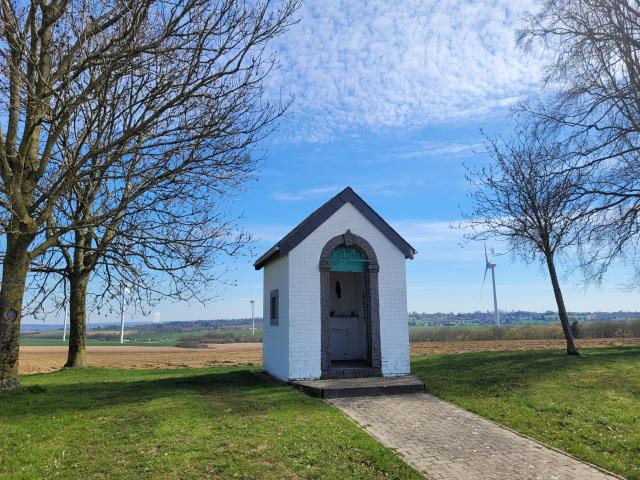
x=187, y=423
x=588, y=406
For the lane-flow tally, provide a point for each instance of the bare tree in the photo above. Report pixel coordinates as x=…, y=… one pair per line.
x=58, y=59
x=155, y=206
x=592, y=98
x=168, y=246
x=593, y=80
x=524, y=199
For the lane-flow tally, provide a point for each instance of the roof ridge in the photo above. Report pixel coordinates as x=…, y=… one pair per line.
x=322, y=213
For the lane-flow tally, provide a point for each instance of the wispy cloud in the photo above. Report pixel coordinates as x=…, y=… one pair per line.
x=307, y=194
x=268, y=234
x=440, y=149
x=382, y=188
x=474, y=283
x=438, y=241
x=406, y=63
x=425, y=150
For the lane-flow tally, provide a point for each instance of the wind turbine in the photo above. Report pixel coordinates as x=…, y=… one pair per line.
x=64, y=311
x=123, y=291
x=253, y=322
x=492, y=267
x=64, y=326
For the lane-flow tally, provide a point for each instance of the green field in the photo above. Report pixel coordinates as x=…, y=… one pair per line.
x=588, y=406
x=112, y=337
x=195, y=336
x=187, y=423
x=52, y=342
x=154, y=338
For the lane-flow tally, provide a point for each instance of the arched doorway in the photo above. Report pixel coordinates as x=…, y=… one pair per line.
x=350, y=314
x=349, y=317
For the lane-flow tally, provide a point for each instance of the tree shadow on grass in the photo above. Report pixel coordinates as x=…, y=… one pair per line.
x=239, y=391
x=497, y=372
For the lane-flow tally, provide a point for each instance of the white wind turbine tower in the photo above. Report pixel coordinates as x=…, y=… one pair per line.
x=252, y=300
x=253, y=321
x=492, y=266
x=123, y=291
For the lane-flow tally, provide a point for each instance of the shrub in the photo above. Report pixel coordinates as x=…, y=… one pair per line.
x=222, y=336
x=575, y=329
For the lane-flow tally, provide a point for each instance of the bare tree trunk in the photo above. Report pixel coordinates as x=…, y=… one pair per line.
x=14, y=277
x=77, y=357
x=562, y=310
x=78, y=284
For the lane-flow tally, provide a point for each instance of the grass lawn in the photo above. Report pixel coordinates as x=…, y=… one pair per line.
x=187, y=423
x=587, y=406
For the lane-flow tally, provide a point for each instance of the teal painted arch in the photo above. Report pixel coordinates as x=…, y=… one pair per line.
x=348, y=258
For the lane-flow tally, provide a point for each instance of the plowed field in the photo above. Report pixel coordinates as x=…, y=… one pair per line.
x=45, y=359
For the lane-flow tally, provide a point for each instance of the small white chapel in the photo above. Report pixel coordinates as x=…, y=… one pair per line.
x=335, y=296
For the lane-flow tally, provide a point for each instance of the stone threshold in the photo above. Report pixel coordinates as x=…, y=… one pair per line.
x=360, y=387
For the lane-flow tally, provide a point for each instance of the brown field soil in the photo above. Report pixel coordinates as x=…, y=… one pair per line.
x=46, y=359
x=35, y=359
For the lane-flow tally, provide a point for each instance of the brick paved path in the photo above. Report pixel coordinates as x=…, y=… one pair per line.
x=446, y=442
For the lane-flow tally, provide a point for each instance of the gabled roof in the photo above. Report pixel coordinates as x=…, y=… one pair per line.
x=317, y=218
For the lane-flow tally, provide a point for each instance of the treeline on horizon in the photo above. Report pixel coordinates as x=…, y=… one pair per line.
x=581, y=330
x=520, y=316
x=513, y=317
x=172, y=325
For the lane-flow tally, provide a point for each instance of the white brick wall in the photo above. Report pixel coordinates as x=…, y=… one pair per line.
x=304, y=296
x=275, y=358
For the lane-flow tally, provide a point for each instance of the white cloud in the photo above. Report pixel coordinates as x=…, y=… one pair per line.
x=423, y=150
x=440, y=149
x=307, y=194
x=405, y=63
x=432, y=239
x=381, y=188
x=268, y=234
x=442, y=241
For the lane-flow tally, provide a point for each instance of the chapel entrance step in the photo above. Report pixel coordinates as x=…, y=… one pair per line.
x=360, y=387
x=350, y=370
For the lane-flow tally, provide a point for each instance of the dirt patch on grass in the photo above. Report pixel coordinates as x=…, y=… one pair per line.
x=437, y=348
x=35, y=359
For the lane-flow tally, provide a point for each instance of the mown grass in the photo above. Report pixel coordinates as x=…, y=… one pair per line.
x=588, y=406
x=188, y=423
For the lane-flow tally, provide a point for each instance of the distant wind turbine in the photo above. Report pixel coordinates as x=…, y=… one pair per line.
x=253, y=322
x=64, y=311
x=123, y=291
x=492, y=267
x=64, y=326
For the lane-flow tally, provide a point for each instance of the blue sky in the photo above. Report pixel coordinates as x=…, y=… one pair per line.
x=389, y=99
